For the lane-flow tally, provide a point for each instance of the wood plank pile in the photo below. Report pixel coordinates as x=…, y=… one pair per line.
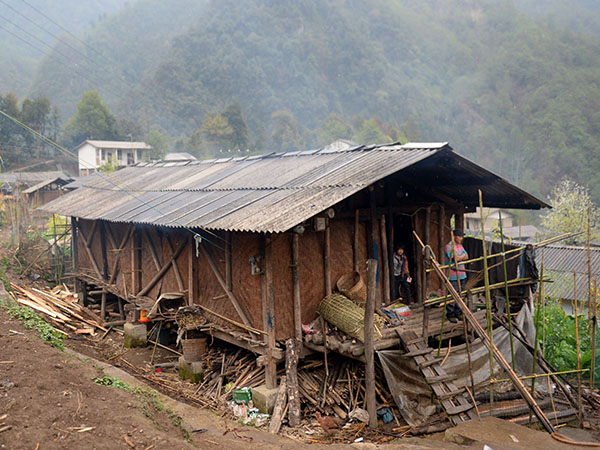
x=59, y=307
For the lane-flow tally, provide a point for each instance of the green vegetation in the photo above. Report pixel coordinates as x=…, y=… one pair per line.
x=92, y=120
x=559, y=344
x=32, y=321
x=148, y=399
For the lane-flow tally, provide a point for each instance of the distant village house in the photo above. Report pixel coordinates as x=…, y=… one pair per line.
x=94, y=154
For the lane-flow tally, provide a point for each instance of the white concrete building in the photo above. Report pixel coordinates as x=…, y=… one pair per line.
x=93, y=154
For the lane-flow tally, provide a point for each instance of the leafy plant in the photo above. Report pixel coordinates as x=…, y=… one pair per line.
x=560, y=344
x=32, y=321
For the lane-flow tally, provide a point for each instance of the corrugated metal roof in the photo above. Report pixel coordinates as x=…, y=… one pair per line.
x=560, y=261
x=267, y=193
x=31, y=178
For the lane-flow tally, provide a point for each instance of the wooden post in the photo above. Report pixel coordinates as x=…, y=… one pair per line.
x=327, y=259
x=296, y=287
x=441, y=224
x=136, y=261
x=369, y=350
x=418, y=262
x=291, y=372
x=391, y=248
x=372, y=222
x=74, y=252
x=268, y=307
x=427, y=241
x=385, y=266
x=192, y=272
x=459, y=219
x=355, y=242
x=104, y=269
x=228, y=256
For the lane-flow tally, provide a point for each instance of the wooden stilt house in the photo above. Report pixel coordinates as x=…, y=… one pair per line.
x=261, y=240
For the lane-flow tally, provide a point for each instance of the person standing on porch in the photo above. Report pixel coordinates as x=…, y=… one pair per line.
x=455, y=252
x=402, y=278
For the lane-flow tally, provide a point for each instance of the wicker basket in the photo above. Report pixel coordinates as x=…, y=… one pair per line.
x=343, y=313
x=353, y=287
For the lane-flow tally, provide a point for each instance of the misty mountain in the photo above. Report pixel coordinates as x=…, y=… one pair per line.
x=510, y=84
x=29, y=29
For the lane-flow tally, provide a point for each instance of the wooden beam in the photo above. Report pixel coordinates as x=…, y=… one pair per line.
x=74, y=252
x=161, y=272
x=119, y=249
x=153, y=251
x=385, y=266
x=296, y=287
x=221, y=281
x=327, y=260
x=228, y=265
x=136, y=260
x=104, y=268
x=86, y=246
x=355, y=242
x=369, y=350
x=268, y=307
x=192, y=272
x=291, y=372
x=178, y=277
x=428, y=242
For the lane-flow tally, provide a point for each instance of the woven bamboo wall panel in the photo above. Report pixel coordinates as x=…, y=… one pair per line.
x=342, y=258
x=282, y=285
x=149, y=270
x=246, y=287
x=310, y=273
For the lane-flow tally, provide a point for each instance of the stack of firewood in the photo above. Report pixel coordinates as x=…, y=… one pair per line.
x=59, y=307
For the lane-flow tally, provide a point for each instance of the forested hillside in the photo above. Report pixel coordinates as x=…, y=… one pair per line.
x=30, y=28
x=513, y=86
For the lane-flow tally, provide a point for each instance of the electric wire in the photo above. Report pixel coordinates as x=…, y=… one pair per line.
x=119, y=186
x=65, y=58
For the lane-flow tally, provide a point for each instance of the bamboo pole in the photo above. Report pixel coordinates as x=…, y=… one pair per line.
x=537, y=330
x=589, y=265
x=369, y=351
x=594, y=324
x=484, y=338
x=514, y=282
x=541, y=375
x=548, y=241
x=488, y=301
x=296, y=287
x=510, y=332
x=577, y=347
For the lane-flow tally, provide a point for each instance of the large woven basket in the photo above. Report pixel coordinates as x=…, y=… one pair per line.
x=353, y=287
x=343, y=313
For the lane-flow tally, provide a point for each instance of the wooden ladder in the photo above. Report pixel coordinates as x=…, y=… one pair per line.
x=452, y=398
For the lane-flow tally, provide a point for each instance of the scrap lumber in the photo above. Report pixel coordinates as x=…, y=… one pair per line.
x=280, y=406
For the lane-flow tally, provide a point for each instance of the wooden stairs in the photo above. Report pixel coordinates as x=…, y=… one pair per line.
x=453, y=399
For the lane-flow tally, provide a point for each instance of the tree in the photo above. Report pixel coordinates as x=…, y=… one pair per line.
x=332, y=128
x=235, y=118
x=92, y=120
x=217, y=130
x=159, y=143
x=370, y=133
x=286, y=134
x=569, y=214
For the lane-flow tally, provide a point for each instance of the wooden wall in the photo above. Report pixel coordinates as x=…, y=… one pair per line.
x=245, y=287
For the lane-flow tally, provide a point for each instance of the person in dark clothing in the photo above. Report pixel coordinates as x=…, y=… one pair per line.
x=402, y=278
